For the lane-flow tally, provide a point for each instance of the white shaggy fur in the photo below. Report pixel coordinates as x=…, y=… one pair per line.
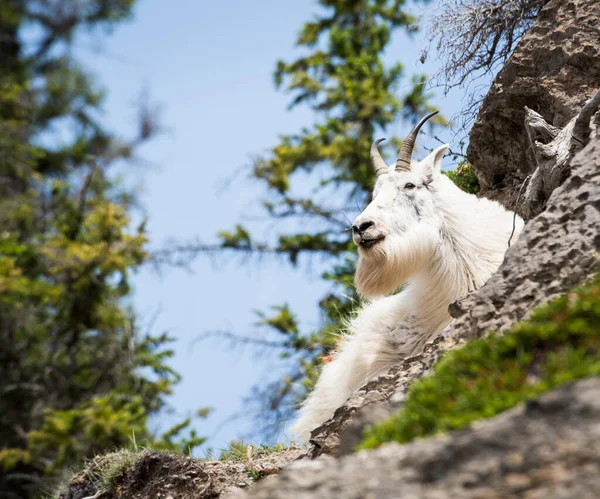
x=438, y=241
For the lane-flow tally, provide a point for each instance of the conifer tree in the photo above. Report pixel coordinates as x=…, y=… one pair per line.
x=78, y=375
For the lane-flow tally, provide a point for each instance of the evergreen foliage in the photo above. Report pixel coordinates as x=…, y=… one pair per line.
x=78, y=375
x=558, y=344
x=464, y=177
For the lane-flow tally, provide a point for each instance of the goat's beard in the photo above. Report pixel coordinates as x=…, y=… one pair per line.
x=376, y=274
x=383, y=268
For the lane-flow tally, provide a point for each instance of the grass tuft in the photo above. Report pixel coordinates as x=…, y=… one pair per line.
x=115, y=466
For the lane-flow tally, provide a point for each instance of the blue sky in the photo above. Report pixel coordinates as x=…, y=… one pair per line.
x=209, y=65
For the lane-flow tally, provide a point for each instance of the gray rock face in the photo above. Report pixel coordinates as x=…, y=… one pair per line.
x=557, y=250
x=554, y=69
x=547, y=449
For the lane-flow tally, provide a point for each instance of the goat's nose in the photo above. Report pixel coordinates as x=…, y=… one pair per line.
x=362, y=227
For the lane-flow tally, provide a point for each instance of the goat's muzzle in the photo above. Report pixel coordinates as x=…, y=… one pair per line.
x=369, y=243
x=366, y=235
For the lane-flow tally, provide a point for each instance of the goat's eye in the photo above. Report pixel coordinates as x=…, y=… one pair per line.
x=409, y=185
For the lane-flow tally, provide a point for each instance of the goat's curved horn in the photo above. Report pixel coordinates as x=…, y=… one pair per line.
x=405, y=154
x=378, y=162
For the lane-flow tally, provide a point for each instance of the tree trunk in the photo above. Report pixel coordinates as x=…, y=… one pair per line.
x=553, y=150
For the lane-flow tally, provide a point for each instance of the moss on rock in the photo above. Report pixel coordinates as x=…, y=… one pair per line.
x=558, y=344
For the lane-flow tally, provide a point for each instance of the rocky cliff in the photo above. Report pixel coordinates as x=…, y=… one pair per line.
x=547, y=447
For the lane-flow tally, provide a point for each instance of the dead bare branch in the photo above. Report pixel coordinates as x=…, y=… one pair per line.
x=238, y=339
x=553, y=149
x=473, y=38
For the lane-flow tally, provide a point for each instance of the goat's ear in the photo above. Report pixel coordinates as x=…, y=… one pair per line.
x=433, y=162
x=438, y=155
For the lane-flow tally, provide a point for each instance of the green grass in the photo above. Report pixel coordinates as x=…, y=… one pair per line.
x=237, y=451
x=558, y=344
x=103, y=472
x=115, y=465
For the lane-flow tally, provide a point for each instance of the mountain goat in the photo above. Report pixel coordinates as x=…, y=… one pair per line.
x=420, y=231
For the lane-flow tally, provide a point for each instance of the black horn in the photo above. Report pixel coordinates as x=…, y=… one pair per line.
x=404, y=156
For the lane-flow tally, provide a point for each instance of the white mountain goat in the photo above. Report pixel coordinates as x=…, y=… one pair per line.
x=420, y=231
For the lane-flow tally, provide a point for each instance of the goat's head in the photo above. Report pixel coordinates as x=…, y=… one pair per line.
x=401, y=213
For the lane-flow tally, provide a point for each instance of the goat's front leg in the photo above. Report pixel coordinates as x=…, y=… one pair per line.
x=359, y=359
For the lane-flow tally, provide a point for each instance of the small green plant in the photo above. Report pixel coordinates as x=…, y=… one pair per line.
x=559, y=344
x=255, y=475
x=103, y=472
x=265, y=450
x=464, y=177
x=238, y=450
